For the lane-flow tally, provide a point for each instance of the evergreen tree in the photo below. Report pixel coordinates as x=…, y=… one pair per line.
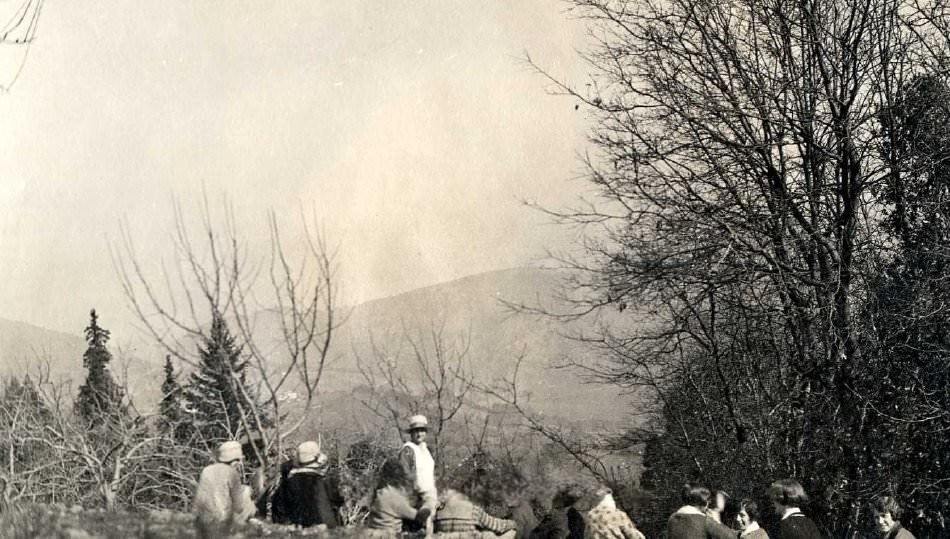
x=170, y=406
x=214, y=394
x=100, y=396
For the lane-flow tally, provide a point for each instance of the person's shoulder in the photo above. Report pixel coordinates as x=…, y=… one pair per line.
x=904, y=533
x=799, y=526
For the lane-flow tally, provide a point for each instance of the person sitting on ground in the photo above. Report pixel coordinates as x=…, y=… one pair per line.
x=717, y=505
x=221, y=502
x=748, y=521
x=306, y=495
x=391, y=503
x=787, y=496
x=521, y=511
x=563, y=520
x=605, y=521
x=458, y=517
x=886, y=513
x=691, y=521
x=279, y=500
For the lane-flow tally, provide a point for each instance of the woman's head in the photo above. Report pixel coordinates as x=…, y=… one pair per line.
x=393, y=474
x=886, y=512
x=786, y=493
x=748, y=513
x=696, y=495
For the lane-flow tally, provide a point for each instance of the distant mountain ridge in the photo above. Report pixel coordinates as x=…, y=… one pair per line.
x=472, y=305
x=25, y=348
x=477, y=305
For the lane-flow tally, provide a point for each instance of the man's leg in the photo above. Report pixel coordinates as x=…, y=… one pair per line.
x=431, y=502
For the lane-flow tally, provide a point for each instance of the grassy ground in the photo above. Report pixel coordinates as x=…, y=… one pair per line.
x=57, y=522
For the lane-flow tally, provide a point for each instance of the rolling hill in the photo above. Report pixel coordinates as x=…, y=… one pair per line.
x=475, y=307
x=472, y=307
x=26, y=349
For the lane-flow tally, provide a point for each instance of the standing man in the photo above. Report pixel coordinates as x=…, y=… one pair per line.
x=420, y=467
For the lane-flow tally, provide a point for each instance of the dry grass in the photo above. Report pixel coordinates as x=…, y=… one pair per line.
x=34, y=521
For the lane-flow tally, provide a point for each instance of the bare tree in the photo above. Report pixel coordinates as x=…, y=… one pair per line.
x=215, y=271
x=738, y=161
x=428, y=374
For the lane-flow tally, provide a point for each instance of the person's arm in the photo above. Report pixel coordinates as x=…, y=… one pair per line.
x=242, y=507
x=403, y=509
x=628, y=530
x=408, y=459
x=485, y=521
x=715, y=530
x=324, y=507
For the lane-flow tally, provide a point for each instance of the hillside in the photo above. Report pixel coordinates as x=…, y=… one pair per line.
x=475, y=306
x=472, y=306
x=25, y=348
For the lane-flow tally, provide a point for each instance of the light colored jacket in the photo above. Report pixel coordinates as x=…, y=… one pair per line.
x=220, y=496
x=421, y=467
x=606, y=521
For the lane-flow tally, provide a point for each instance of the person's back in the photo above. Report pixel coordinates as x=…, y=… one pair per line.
x=606, y=521
x=458, y=515
x=389, y=508
x=219, y=502
x=524, y=517
x=214, y=496
x=307, y=499
x=692, y=523
x=798, y=526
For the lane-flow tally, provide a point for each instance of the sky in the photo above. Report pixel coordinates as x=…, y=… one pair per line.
x=413, y=130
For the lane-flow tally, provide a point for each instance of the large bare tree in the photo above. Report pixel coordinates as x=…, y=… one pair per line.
x=283, y=304
x=738, y=160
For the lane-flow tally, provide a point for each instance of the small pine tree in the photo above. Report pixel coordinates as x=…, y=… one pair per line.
x=213, y=395
x=100, y=396
x=170, y=406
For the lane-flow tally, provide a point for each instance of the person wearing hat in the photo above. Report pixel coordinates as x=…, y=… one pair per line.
x=306, y=496
x=420, y=466
x=221, y=502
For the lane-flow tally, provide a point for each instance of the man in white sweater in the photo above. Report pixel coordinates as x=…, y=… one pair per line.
x=420, y=466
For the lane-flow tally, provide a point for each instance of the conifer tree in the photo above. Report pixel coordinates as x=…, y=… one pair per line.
x=170, y=405
x=214, y=394
x=100, y=396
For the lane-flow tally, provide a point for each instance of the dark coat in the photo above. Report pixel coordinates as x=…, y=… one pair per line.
x=798, y=526
x=279, y=502
x=305, y=499
x=560, y=524
x=696, y=526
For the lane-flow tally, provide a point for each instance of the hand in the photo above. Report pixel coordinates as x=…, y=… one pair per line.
x=423, y=514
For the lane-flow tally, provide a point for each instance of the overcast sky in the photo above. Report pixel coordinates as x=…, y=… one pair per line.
x=412, y=128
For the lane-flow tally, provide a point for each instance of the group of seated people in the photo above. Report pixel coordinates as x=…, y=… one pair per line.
x=701, y=516
x=302, y=497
